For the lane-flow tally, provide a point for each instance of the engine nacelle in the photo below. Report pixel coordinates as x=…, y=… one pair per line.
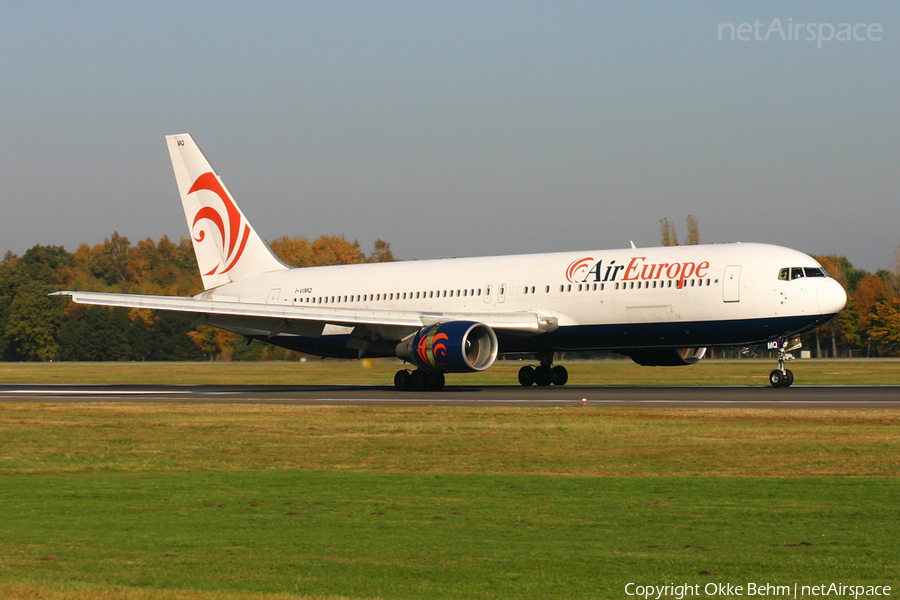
x=665, y=357
x=452, y=347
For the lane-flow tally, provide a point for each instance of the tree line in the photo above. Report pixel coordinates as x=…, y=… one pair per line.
x=35, y=327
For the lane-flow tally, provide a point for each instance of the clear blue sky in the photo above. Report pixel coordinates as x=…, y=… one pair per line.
x=454, y=128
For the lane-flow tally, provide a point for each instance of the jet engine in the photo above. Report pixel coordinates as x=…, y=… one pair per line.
x=665, y=357
x=452, y=347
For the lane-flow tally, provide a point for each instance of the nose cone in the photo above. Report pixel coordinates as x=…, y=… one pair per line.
x=831, y=297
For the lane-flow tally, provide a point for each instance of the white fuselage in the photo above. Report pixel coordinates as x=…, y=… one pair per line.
x=727, y=293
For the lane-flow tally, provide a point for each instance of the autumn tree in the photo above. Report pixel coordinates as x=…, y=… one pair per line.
x=34, y=326
x=30, y=320
x=216, y=344
x=327, y=250
x=667, y=232
x=693, y=231
x=885, y=329
x=869, y=293
x=381, y=253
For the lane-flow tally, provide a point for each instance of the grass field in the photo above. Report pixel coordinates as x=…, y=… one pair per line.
x=219, y=502
x=381, y=372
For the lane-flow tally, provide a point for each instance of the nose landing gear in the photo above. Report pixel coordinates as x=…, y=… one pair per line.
x=782, y=377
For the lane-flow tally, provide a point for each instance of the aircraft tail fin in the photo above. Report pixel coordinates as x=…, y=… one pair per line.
x=226, y=245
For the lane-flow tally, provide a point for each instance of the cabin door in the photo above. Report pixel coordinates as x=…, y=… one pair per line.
x=731, y=286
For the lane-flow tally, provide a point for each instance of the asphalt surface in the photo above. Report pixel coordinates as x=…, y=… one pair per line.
x=797, y=397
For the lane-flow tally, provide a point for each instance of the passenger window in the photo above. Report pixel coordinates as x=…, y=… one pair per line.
x=784, y=275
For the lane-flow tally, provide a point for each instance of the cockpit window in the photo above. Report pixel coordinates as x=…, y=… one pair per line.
x=790, y=273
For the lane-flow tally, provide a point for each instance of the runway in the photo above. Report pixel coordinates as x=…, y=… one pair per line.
x=798, y=397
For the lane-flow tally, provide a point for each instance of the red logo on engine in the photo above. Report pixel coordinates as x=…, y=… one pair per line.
x=228, y=224
x=431, y=346
x=579, y=267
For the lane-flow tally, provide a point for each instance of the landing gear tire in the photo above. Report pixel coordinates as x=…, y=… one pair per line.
x=419, y=380
x=543, y=376
x=526, y=376
x=403, y=380
x=781, y=378
x=559, y=375
x=435, y=381
x=776, y=378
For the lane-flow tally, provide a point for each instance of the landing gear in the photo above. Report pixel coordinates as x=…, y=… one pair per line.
x=545, y=374
x=782, y=377
x=419, y=381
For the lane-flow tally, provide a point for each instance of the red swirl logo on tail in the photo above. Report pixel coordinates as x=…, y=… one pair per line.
x=582, y=265
x=229, y=225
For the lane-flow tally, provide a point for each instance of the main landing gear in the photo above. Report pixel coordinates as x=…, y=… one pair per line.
x=419, y=381
x=782, y=377
x=545, y=374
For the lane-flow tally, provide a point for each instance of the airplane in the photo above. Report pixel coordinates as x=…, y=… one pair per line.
x=659, y=306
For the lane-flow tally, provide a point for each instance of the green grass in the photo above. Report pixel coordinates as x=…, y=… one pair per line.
x=381, y=372
x=592, y=441
x=234, y=501
x=399, y=535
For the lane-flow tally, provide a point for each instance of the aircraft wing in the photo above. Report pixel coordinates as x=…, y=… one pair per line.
x=275, y=319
